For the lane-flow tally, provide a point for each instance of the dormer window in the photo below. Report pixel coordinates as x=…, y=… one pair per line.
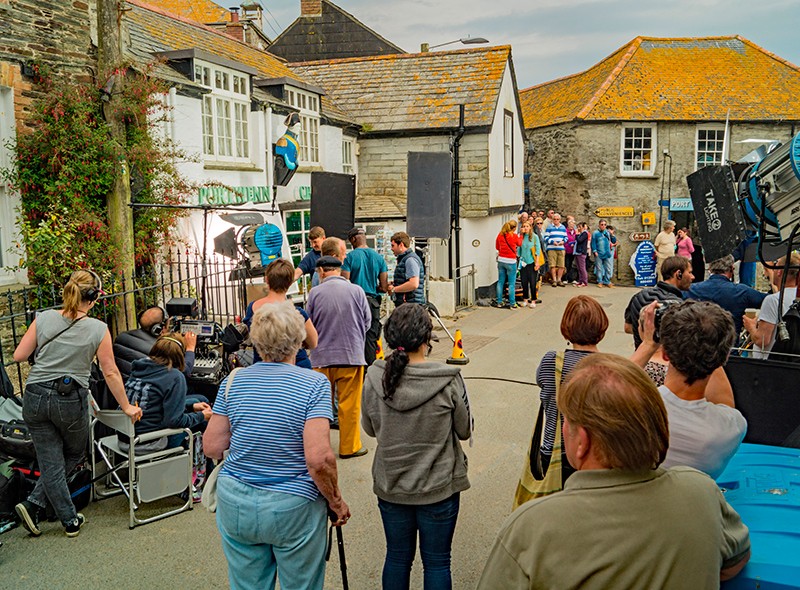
x=308, y=105
x=226, y=112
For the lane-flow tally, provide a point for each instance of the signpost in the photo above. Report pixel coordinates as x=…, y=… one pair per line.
x=639, y=236
x=614, y=212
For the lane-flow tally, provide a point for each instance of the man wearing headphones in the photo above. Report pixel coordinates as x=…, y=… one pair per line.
x=135, y=344
x=678, y=277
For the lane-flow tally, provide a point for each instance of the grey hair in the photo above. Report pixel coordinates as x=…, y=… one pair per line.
x=669, y=223
x=277, y=331
x=720, y=265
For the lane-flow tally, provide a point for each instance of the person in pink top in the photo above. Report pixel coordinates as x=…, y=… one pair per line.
x=683, y=244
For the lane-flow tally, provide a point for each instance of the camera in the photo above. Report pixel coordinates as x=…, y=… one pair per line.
x=662, y=308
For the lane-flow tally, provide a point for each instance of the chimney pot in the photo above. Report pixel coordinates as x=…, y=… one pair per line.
x=234, y=14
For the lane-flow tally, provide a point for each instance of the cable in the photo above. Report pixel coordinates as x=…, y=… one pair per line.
x=504, y=379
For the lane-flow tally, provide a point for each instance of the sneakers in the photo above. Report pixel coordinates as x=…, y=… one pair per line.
x=610, y=285
x=562, y=284
x=495, y=304
x=73, y=527
x=514, y=306
x=533, y=304
x=538, y=301
x=29, y=515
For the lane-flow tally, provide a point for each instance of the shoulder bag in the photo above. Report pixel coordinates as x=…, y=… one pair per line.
x=210, y=488
x=533, y=483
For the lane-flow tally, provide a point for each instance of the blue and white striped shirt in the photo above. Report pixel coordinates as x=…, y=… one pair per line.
x=268, y=406
x=553, y=234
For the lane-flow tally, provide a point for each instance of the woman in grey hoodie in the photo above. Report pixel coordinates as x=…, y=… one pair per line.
x=418, y=411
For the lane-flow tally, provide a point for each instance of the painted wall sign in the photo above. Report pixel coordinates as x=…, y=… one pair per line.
x=639, y=236
x=614, y=212
x=220, y=195
x=681, y=205
x=304, y=193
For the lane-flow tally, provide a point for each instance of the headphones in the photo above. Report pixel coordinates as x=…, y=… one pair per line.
x=175, y=340
x=92, y=293
x=156, y=329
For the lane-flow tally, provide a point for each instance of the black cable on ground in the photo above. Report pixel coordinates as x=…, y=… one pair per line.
x=504, y=379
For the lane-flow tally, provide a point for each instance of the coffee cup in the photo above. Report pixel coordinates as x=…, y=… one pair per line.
x=751, y=312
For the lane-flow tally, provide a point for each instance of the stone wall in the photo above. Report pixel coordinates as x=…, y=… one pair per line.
x=383, y=173
x=575, y=168
x=54, y=34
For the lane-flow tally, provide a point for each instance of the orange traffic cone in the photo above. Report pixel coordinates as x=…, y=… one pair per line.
x=379, y=352
x=458, y=357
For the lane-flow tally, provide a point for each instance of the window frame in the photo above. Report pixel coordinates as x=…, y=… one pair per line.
x=508, y=144
x=651, y=171
x=348, y=155
x=308, y=106
x=225, y=113
x=716, y=128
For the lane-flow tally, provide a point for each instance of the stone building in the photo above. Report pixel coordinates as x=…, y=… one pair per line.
x=410, y=103
x=627, y=131
x=29, y=42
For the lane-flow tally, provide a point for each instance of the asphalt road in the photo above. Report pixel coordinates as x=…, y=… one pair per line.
x=184, y=551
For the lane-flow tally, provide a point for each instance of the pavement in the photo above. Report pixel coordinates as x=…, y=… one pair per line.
x=504, y=346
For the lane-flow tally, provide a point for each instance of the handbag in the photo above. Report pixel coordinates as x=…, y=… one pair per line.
x=210, y=488
x=533, y=483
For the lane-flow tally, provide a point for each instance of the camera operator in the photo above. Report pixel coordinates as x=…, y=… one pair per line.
x=136, y=344
x=677, y=273
x=705, y=429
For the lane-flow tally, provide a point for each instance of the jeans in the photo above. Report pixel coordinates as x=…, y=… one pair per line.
x=529, y=278
x=569, y=274
x=506, y=276
x=603, y=268
x=59, y=426
x=580, y=262
x=266, y=533
x=374, y=332
x=436, y=524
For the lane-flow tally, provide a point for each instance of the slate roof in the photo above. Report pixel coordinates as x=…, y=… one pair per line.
x=201, y=11
x=332, y=35
x=415, y=92
x=672, y=79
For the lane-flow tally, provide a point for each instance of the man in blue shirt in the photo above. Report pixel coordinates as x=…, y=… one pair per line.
x=720, y=289
x=604, y=256
x=308, y=265
x=366, y=268
x=555, y=237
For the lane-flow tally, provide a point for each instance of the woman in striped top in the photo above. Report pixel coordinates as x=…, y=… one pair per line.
x=280, y=469
x=584, y=325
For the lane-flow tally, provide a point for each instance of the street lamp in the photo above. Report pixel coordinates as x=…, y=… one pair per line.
x=424, y=47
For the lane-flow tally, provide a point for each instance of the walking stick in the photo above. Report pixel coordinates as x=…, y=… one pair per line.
x=340, y=545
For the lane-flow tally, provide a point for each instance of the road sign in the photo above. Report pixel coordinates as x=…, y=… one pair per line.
x=681, y=205
x=614, y=212
x=639, y=236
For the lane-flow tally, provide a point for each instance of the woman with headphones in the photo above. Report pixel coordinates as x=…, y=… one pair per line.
x=55, y=405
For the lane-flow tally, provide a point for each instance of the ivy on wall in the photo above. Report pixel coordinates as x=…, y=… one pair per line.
x=65, y=167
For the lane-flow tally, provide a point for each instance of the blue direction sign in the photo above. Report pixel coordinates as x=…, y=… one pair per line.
x=643, y=263
x=681, y=205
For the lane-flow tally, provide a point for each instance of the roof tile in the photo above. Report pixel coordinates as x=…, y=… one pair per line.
x=672, y=79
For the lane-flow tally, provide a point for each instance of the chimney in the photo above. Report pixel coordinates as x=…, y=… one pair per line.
x=234, y=14
x=310, y=7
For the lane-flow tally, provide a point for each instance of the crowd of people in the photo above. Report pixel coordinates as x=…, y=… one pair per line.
x=639, y=438
x=539, y=249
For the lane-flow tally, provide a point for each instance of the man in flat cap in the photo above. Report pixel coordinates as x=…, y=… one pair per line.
x=364, y=267
x=340, y=312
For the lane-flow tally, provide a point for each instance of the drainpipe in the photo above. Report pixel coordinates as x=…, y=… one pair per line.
x=268, y=152
x=456, y=202
x=172, y=99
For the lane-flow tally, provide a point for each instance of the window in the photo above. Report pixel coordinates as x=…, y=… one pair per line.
x=297, y=223
x=308, y=105
x=347, y=155
x=508, y=143
x=710, y=143
x=638, y=150
x=225, y=113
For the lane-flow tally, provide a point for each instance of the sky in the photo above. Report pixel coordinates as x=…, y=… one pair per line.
x=555, y=38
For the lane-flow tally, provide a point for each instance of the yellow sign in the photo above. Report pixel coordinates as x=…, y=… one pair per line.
x=648, y=218
x=614, y=212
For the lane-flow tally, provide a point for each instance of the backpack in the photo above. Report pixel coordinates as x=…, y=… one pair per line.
x=791, y=346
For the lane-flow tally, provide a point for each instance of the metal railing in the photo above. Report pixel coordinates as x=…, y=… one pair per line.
x=464, y=277
x=214, y=282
